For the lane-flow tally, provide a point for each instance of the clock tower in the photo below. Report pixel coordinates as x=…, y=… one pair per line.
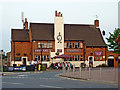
x=59, y=33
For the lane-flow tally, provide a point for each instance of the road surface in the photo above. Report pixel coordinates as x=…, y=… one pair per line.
x=49, y=79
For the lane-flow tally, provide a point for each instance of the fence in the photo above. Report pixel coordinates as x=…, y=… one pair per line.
x=104, y=74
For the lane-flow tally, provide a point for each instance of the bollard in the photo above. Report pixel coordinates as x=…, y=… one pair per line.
x=89, y=73
x=100, y=73
x=68, y=71
x=63, y=69
x=80, y=73
x=115, y=74
x=74, y=69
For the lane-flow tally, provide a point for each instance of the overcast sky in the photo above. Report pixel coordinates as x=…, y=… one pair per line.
x=74, y=11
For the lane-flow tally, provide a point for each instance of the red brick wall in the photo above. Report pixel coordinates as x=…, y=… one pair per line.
x=74, y=53
x=114, y=55
x=8, y=58
x=88, y=53
x=20, y=47
x=25, y=47
x=35, y=46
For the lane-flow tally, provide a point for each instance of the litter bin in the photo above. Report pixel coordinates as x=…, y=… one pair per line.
x=39, y=67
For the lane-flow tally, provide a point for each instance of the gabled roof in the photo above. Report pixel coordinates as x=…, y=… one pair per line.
x=45, y=31
x=88, y=33
x=42, y=31
x=20, y=35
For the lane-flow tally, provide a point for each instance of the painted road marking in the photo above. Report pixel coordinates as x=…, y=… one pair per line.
x=13, y=83
x=22, y=75
x=49, y=86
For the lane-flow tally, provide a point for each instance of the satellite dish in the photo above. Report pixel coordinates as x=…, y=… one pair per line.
x=103, y=32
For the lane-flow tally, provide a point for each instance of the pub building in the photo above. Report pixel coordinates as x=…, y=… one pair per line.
x=82, y=41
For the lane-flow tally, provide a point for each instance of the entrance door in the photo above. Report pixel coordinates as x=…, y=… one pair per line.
x=110, y=62
x=91, y=60
x=24, y=61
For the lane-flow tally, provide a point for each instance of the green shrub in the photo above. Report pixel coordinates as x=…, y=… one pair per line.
x=43, y=68
x=5, y=69
x=104, y=65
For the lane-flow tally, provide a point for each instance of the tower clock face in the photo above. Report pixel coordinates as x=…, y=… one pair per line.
x=59, y=37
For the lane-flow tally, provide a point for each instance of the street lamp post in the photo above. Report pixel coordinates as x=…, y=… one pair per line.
x=41, y=56
x=84, y=52
x=1, y=64
x=1, y=53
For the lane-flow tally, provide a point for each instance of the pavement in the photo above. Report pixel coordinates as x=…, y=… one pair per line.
x=13, y=73
x=49, y=79
x=108, y=75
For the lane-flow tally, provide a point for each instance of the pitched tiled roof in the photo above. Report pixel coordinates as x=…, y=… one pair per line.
x=89, y=33
x=42, y=31
x=20, y=35
x=45, y=31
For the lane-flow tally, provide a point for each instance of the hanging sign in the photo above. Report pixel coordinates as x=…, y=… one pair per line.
x=98, y=53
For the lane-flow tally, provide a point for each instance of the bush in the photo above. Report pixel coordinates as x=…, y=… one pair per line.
x=104, y=65
x=43, y=68
x=5, y=69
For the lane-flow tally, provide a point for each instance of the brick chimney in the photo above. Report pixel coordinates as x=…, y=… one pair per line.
x=26, y=23
x=96, y=23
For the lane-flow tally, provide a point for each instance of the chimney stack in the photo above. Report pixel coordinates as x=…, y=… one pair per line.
x=96, y=23
x=58, y=14
x=55, y=13
x=26, y=23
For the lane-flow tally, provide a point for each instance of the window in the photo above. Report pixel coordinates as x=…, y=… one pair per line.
x=35, y=58
x=75, y=45
x=118, y=60
x=70, y=59
x=96, y=58
x=38, y=58
x=17, y=58
x=81, y=45
x=67, y=45
x=78, y=58
x=44, y=57
x=42, y=45
x=38, y=44
x=67, y=59
x=70, y=45
x=45, y=45
x=47, y=57
x=64, y=59
x=50, y=45
x=75, y=57
x=78, y=45
x=100, y=58
x=81, y=58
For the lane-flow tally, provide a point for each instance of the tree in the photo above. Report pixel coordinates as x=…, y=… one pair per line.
x=114, y=41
